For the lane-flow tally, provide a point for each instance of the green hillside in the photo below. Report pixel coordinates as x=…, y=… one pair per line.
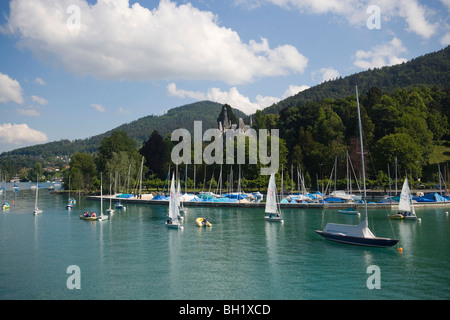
x=432, y=69
x=139, y=130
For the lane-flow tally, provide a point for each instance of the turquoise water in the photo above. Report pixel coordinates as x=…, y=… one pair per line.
x=134, y=256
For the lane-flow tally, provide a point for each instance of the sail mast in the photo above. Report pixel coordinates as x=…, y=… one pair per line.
x=362, y=155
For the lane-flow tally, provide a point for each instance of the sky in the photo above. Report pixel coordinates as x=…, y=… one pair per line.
x=72, y=69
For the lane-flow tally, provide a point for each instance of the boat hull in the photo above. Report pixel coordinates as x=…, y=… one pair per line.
x=174, y=226
x=359, y=241
x=89, y=218
x=273, y=219
x=36, y=212
x=396, y=216
x=199, y=222
x=349, y=212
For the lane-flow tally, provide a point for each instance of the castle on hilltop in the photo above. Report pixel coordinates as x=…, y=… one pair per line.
x=225, y=123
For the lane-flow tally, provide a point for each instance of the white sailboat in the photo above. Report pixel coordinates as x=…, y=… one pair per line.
x=110, y=210
x=69, y=205
x=356, y=234
x=174, y=210
x=36, y=209
x=405, y=205
x=273, y=212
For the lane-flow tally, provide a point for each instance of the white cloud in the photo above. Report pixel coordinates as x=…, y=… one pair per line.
x=122, y=111
x=325, y=74
x=30, y=112
x=233, y=97
x=293, y=90
x=445, y=40
x=122, y=42
x=39, y=81
x=41, y=101
x=416, y=15
x=10, y=90
x=98, y=107
x=20, y=134
x=381, y=55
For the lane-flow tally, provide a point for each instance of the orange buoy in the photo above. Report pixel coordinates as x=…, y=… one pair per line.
x=400, y=249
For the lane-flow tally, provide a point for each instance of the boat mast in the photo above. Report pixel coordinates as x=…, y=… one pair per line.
x=362, y=156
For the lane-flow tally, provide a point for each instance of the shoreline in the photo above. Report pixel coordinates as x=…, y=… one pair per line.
x=242, y=204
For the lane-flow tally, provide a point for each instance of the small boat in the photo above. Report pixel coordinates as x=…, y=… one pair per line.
x=202, y=222
x=174, y=210
x=406, y=209
x=120, y=206
x=5, y=206
x=89, y=216
x=350, y=211
x=273, y=212
x=36, y=209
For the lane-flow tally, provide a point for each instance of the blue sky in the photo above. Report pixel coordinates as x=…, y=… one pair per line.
x=71, y=69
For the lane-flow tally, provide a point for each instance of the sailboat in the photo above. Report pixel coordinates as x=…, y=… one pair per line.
x=36, y=209
x=272, y=210
x=356, y=234
x=405, y=205
x=70, y=204
x=174, y=209
x=110, y=210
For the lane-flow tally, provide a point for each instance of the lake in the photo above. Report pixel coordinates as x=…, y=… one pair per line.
x=242, y=257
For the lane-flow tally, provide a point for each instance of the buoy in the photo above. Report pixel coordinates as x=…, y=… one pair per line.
x=400, y=249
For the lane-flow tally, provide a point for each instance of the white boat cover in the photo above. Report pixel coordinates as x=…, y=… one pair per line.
x=361, y=230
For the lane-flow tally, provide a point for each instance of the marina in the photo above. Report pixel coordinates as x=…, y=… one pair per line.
x=133, y=255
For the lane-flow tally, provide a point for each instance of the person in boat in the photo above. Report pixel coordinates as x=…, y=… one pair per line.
x=169, y=221
x=204, y=222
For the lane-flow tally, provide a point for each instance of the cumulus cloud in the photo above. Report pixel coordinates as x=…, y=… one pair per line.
x=10, y=90
x=445, y=40
x=20, y=134
x=233, y=97
x=39, y=81
x=293, y=90
x=29, y=112
x=325, y=74
x=121, y=42
x=98, y=107
x=381, y=55
x=41, y=101
x=416, y=15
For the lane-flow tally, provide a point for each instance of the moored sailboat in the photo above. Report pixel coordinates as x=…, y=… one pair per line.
x=174, y=210
x=272, y=210
x=405, y=205
x=356, y=234
x=36, y=209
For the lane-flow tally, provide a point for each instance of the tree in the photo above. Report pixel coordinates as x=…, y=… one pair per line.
x=118, y=141
x=402, y=146
x=154, y=150
x=82, y=171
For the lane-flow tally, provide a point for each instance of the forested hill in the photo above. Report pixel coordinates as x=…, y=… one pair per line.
x=139, y=130
x=432, y=69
